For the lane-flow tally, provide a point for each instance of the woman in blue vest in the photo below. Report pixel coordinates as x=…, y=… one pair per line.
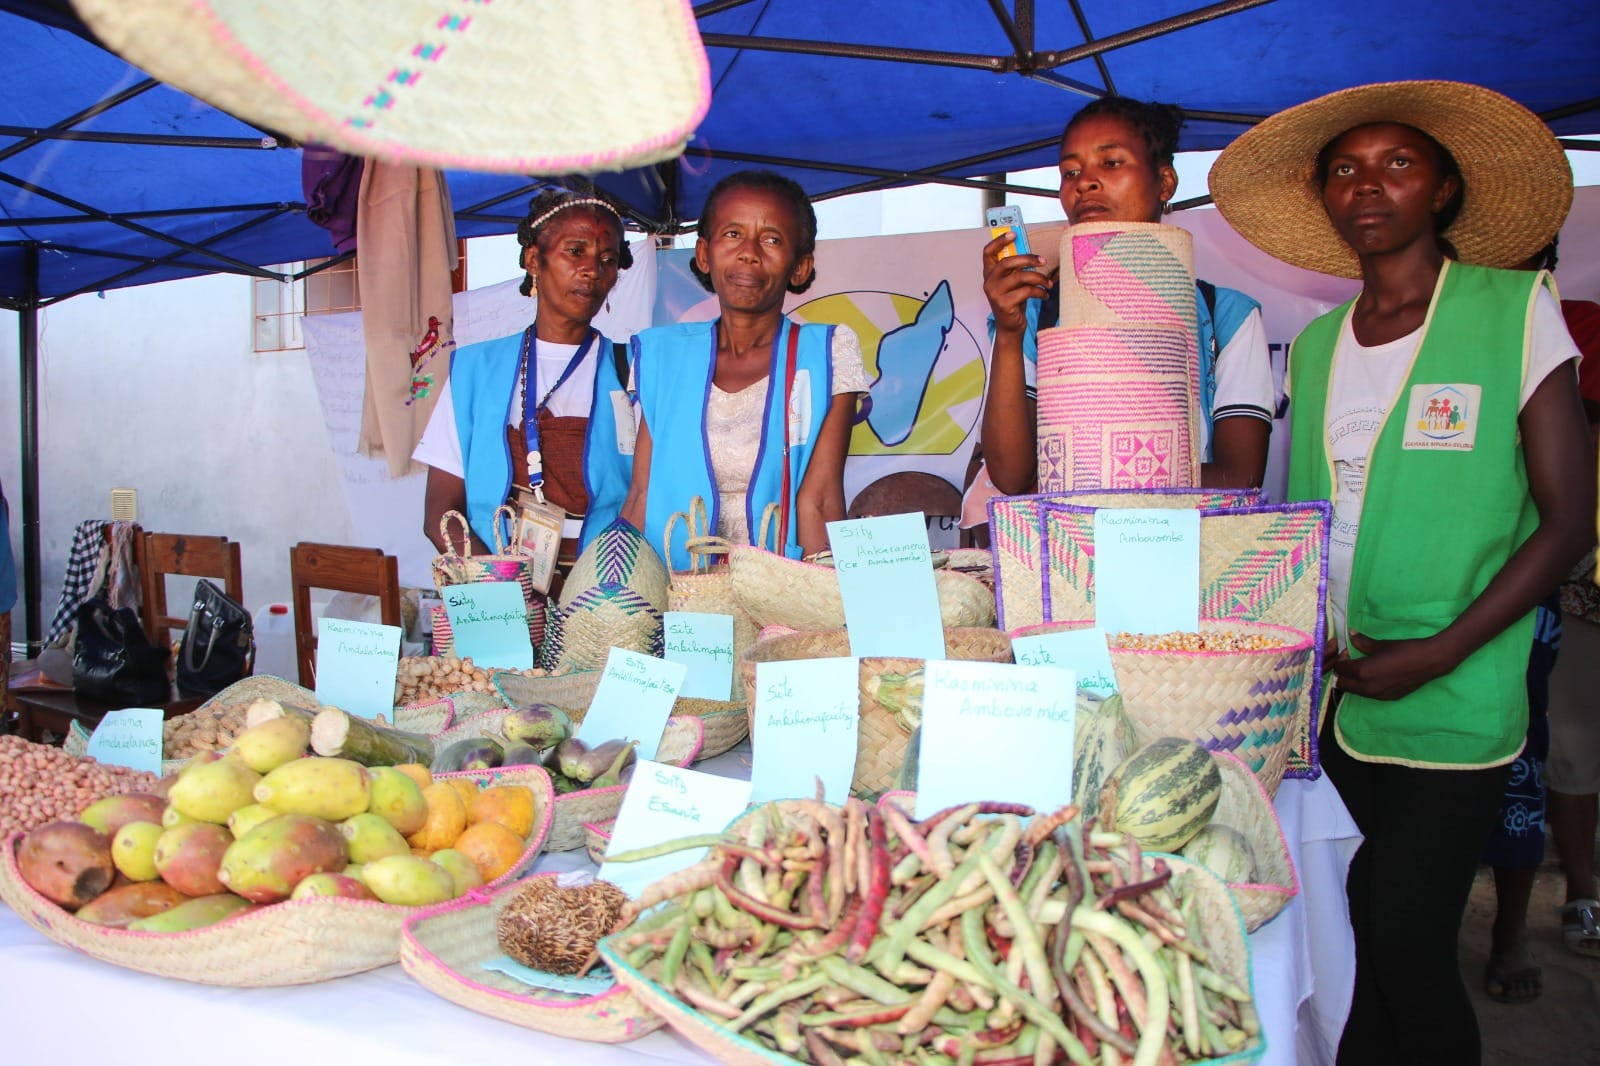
x=1439, y=412
x=751, y=409
x=1116, y=166
x=546, y=407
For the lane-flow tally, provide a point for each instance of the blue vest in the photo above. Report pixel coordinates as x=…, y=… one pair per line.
x=483, y=378
x=674, y=368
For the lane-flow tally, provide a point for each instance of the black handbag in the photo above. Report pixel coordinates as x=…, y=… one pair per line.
x=114, y=662
x=218, y=644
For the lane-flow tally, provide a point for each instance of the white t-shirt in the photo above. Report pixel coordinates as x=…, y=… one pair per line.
x=1364, y=384
x=440, y=446
x=1244, y=378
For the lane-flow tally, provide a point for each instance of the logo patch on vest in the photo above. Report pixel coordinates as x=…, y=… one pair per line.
x=1442, y=418
x=800, y=409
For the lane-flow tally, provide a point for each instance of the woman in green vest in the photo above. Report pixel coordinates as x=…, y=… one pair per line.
x=1446, y=531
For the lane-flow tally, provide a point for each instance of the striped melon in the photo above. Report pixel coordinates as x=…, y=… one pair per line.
x=1167, y=792
x=1102, y=741
x=1224, y=851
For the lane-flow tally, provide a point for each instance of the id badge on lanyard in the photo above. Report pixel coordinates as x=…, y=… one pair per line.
x=539, y=527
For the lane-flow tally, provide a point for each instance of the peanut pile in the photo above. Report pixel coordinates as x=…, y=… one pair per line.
x=1222, y=640
x=205, y=729
x=40, y=784
x=430, y=677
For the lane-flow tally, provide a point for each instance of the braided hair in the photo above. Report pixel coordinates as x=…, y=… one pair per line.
x=546, y=208
x=1156, y=124
x=764, y=181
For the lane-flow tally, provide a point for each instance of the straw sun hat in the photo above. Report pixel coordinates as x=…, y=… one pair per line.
x=517, y=86
x=1518, y=181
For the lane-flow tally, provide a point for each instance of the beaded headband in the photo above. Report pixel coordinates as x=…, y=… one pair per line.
x=587, y=201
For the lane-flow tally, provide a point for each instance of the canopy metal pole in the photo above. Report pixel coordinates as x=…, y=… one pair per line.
x=28, y=358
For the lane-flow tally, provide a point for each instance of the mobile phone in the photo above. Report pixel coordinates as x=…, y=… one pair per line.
x=1003, y=219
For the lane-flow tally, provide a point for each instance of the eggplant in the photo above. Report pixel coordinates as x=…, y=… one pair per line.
x=622, y=761
x=597, y=767
x=540, y=725
x=520, y=754
x=473, y=753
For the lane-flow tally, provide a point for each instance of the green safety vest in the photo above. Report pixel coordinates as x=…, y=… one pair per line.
x=1446, y=504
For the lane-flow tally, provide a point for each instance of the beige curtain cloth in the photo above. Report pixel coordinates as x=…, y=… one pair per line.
x=406, y=252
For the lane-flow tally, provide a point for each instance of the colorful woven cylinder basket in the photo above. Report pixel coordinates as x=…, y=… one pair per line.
x=1118, y=383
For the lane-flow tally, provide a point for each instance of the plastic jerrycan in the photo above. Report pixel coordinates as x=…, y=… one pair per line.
x=274, y=624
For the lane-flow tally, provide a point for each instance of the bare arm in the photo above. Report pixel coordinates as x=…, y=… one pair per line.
x=1239, y=451
x=633, y=506
x=821, y=496
x=1009, y=439
x=445, y=492
x=1561, y=479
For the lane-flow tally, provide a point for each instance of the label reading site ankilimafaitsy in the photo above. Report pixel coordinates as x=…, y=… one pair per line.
x=891, y=605
x=356, y=664
x=993, y=731
x=704, y=644
x=1147, y=570
x=633, y=701
x=489, y=623
x=806, y=717
x=130, y=738
x=667, y=803
x=1083, y=651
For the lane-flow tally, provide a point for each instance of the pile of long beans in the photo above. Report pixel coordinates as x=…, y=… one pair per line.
x=973, y=936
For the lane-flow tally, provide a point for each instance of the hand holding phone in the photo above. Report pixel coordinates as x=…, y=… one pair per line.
x=1004, y=219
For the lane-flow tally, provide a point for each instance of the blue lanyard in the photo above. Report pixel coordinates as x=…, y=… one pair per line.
x=530, y=409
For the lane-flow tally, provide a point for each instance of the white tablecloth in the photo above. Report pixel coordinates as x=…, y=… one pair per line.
x=57, y=1005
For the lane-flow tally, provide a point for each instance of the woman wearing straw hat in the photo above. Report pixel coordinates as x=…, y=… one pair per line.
x=545, y=412
x=1116, y=166
x=1446, y=530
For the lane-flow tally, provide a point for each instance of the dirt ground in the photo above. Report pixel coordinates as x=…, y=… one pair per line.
x=1562, y=1026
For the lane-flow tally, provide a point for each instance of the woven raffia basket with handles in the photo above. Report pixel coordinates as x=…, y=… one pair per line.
x=707, y=586
x=1239, y=701
x=723, y=722
x=881, y=744
x=1246, y=807
x=1220, y=927
x=681, y=741
x=295, y=942
x=444, y=948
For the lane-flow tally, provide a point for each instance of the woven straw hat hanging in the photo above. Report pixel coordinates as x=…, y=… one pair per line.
x=1517, y=178
x=492, y=85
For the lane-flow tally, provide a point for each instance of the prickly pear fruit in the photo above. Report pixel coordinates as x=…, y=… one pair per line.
x=113, y=812
x=397, y=798
x=408, y=881
x=331, y=789
x=211, y=792
x=133, y=850
x=267, y=863
x=195, y=914
x=370, y=837
x=336, y=885
x=188, y=857
x=267, y=746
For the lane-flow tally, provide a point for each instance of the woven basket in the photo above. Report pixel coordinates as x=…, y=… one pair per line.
x=1246, y=807
x=597, y=838
x=1220, y=928
x=881, y=742
x=774, y=590
x=725, y=723
x=707, y=586
x=1244, y=702
x=465, y=568
x=428, y=718
x=613, y=598
x=443, y=948
x=290, y=943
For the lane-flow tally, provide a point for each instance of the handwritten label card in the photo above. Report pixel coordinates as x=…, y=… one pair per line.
x=633, y=701
x=130, y=738
x=1147, y=570
x=1083, y=651
x=489, y=622
x=891, y=605
x=703, y=643
x=806, y=716
x=665, y=803
x=356, y=664
x=993, y=731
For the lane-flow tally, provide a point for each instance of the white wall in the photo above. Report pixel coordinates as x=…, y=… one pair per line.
x=157, y=389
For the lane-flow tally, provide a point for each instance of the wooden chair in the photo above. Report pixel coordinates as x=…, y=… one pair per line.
x=338, y=569
x=179, y=553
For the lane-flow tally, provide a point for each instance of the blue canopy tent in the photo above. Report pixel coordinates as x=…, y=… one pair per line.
x=108, y=178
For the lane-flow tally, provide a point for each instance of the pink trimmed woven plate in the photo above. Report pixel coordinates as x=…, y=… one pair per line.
x=443, y=949
x=290, y=943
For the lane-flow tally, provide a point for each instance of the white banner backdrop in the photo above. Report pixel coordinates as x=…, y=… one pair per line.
x=386, y=512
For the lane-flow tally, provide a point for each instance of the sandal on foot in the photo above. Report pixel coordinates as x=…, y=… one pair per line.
x=1514, y=979
x=1580, y=927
